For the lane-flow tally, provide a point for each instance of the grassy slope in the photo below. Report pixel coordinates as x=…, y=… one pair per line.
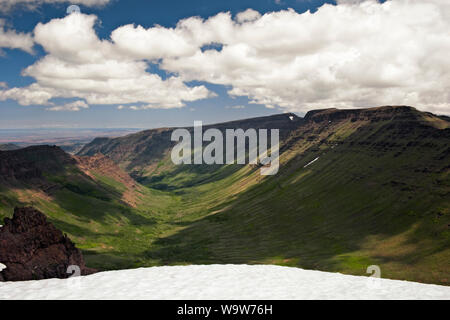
x=363, y=202
x=377, y=195
x=92, y=212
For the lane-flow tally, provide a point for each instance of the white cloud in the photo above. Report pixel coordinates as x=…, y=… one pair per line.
x=247, y=15
x=14, y=40
x=3, y=84
x=355, y=54
x=33, y=94
x=80, y=65
x=146, y=107
x=6, y=5
x=73, y=106
x=235, y=107
x=352, y=55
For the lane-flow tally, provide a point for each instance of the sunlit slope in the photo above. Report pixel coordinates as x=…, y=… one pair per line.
x=97, y=204
x=146, y=155
x=377, y=194
x=355, y=188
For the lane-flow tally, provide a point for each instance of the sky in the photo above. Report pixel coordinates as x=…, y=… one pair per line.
x=147, y=64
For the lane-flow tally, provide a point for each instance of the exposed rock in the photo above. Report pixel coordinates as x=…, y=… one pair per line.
x=32, y=248
x=369, y=114
x=99, y=164
x=141, y=152
x=30, y=163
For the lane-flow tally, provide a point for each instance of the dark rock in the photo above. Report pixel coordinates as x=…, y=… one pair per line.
x=30, y=163
x=32, y=248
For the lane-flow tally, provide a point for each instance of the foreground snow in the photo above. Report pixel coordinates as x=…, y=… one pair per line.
x=221, y=282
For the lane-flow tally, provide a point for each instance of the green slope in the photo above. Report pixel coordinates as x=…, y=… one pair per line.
x=378, y=194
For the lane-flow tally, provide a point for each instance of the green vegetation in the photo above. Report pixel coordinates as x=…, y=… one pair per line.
x=379, y=194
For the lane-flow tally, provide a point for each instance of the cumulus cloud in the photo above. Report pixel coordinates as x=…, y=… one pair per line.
x=14, y=40
x=33, y=94
x=72, y=106
x=146, y=107
x=247, y=15
x=235, y=107
x=80, y=65
x=6, y=5
x=354, y=54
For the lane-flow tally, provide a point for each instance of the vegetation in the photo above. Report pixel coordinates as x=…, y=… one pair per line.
x=378, y=194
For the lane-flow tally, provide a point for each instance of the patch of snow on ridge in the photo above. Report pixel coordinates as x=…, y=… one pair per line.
x=2, y=267
x=311, y=162
x=225, y=282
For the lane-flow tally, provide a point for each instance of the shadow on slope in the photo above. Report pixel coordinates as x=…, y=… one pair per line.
x=378, y=197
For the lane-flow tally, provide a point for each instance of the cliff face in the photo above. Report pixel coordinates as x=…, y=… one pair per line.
x=8, y=147
x=371, y=114
x=29, y=163
x=31, y=248
x=141, y=152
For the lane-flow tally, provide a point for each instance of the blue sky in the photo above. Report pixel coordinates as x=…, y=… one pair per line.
x=216, y=100
x=145, y=13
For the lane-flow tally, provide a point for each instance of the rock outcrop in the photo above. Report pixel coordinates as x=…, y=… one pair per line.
x=404, y=113
x=30, y=163
x=32, y=248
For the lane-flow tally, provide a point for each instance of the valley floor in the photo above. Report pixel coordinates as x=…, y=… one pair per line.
x=227, y=282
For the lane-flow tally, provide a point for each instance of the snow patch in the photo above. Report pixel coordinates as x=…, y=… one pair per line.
x=227, y=282
x=311, y=162
x=2, y=267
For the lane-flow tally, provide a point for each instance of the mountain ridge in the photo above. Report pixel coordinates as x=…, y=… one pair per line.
x=355, y=188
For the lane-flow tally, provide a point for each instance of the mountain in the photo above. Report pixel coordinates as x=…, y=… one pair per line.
x=8, y=147
x=145, y=155
x=89, y=198
x=355, y=188
x=31, y=248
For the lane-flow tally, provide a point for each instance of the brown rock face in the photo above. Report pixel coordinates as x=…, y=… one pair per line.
x=29, y=163
x=32, y=248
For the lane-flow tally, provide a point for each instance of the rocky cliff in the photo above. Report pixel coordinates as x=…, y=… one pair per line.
x=32, y=248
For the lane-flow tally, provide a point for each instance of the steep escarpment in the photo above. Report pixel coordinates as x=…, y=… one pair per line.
x=371, y=114
x=147, y=153
x=49, y=169
x=89, y=198
x=8, y=147
x=355, y=188
x=30, y=163
x=100, y=167
x=31, y=248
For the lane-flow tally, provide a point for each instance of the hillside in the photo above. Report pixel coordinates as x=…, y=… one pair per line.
x=89, y=198
x=8, y=147
x=378, y=194
x=355, y=188
x=146, y=155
